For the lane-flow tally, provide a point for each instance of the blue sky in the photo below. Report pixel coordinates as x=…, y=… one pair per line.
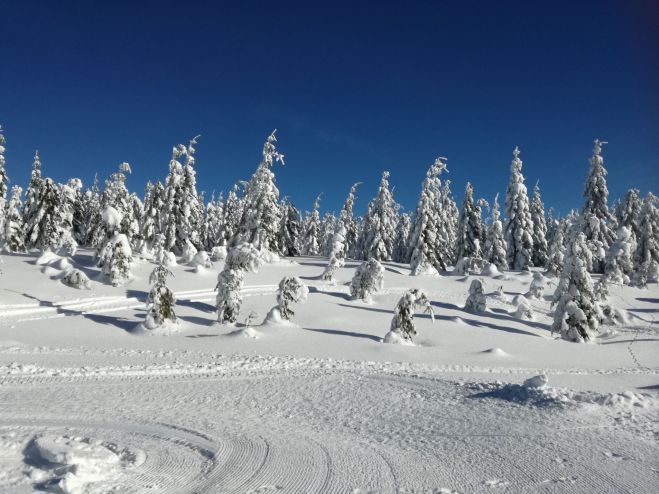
x=352, y=90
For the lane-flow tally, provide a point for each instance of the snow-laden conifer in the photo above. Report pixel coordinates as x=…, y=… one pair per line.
x=537, y=287
x=291, y=291
x=448, y=224
x=540, y=247
x=367, y=281
x=241, y=259
x=312, y=230
x=260, y=222
x=519, y=224
x=618, y=263
x=161, y=299
x=154, y=206
x=597, y=223
x=32, y=195
x=380, y=223
x=337, y=254
x=476, y=300
x=402, y=325
x=577, y=307
x=646, y=256
x=290, y=230
x=556, y=251
x=495, y=244
x=13, y=233
x=428, y=251
x=233, y=212
x=348, y=221
x=470, y=227
x=401, y=250
x=4, y=186
x=327, y=229
x=628, y=212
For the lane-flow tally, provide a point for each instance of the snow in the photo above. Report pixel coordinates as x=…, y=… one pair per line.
x=481, y=402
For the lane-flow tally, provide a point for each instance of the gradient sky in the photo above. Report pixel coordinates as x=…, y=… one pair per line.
x=353, y=88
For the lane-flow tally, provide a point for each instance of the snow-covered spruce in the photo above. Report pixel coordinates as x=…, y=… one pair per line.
x=628, y=211
x=337, y=254
x=161, y=300
x=429, y=250
x=476, y=300
x=13, y=222
x=471, y=233
x=402, y=325
x=380, y=223
x=540, y=253
x=556, y=251
x=348, y=221
x=448, y=223
x=646, y=256
x=260, y=221
x=367, y=281
x=327, y=229
x=401, y=251
x=241, y=259
x=495, y=244
x=577, y=309
x=4, y=181
x=117, y=257
x=519, y=224
x=291, y=291
x=312, y=230
x=618, y=263
x=596, y=220
x=290, y=230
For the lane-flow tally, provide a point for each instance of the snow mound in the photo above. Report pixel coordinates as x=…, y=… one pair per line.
x=47, y=258
x=218, y=253
x=496, y=351
x=395, y=338
x=273, y=318
x=537, y=382
x=111, y=217
x=77, y=279
x=490, y=270
x=248, y=332
x=168, y=328
x=78, y=463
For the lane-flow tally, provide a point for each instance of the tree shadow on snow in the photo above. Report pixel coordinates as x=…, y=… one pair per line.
x=344, y=296
x=202, y=306
x=198, y=320
x=648, y=299
x=338, y=332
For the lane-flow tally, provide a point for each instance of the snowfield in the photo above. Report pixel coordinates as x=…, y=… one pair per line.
x=90, y=402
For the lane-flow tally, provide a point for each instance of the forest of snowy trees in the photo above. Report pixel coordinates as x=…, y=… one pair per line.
x=170, y=222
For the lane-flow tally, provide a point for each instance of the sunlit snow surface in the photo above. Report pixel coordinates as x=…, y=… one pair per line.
x=483, y=402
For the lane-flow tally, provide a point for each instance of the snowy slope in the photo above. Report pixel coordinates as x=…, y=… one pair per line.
x=90, y=404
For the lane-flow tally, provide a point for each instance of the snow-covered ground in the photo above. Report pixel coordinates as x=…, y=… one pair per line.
x=89, y=403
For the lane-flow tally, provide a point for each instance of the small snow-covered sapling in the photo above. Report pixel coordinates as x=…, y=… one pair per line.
x=161, y=300
x=291, y=291
x=537, y=287
x=476, y=299
x=367, y=281
x=403, y=321
x=241, y=259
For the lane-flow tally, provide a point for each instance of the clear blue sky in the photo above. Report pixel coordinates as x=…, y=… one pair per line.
x=353, y=88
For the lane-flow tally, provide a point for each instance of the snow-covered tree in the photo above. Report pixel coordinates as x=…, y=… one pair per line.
x=312, y=230
x=646, y=256
x=154, y=205
x=49, y=221
x=13, y=234
x=4, y=181
x=556, y=252
x=327, y=229
x=260, y=221
x=495, y=244
x=290, y=230
x=519, y=224
x=160, y=301
x=401, y=250
x=429, y=252
x=537, y=287
x=32, y=195
x=380, y=223
x=598, y=224
x=402, y=324
x=618, y=264
x=540, y=247
x=213, y=222
x=476, y=299
x=117, y=256
x=628, y=212
x=337, y=254
x=291, y=291
x=470, y=226
x=348, y=221
x=233, y=212
x=367, y=281
x=241, y=259
x=448, y=223
x=577, y=307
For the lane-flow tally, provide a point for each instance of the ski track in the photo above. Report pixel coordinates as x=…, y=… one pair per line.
x=257, y=426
